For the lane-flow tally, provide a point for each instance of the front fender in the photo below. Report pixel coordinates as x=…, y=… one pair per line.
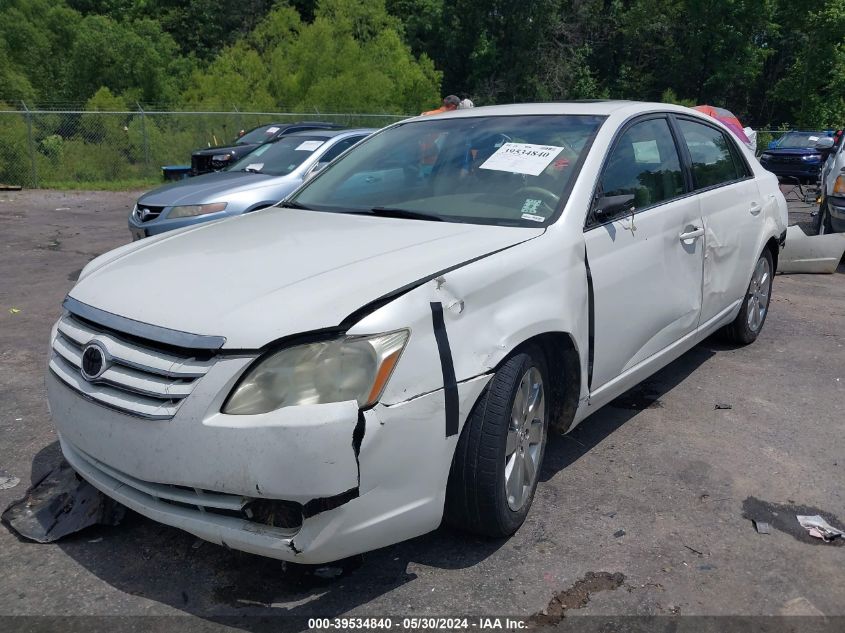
x=489, y=308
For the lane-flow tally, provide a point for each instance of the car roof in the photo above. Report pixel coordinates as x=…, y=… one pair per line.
x=329, y=133
x=588, y=107
x=322, y=124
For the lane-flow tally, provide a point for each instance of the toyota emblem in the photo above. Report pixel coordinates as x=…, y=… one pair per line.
x=93, y=362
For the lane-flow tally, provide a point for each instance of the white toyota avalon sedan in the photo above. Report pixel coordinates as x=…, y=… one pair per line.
x=390, y=346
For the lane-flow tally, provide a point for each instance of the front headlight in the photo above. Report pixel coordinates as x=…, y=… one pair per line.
x=337, y=370
x=221, y=158
x=189, y=210
x=765, y=156
x=813, y=158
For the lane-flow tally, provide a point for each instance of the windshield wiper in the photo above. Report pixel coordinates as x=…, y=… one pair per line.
x=290, y=204
x=386, y=212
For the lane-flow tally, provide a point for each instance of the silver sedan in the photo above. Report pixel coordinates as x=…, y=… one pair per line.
x=260, y=179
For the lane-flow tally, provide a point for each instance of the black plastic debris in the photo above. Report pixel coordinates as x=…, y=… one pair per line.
x=619, y=533
x=723, y=405
x=60, y=504
x=328, y=572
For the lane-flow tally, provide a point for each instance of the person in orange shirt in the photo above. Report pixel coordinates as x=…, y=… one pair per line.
x=449, y=103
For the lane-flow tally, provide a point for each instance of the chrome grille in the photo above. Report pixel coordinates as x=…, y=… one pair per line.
x=140, y=379
x=146, y=213
x=785, y=158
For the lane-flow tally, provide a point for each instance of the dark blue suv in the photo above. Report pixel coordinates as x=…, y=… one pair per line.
x=795, y=155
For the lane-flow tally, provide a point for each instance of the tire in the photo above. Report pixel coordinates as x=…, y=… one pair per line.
x=823, y=225
x=496, y=447
x=755, y=306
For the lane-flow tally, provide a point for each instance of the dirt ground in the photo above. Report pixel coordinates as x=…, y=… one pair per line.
x=645, y=509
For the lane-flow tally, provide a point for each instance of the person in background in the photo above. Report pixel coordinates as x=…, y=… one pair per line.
x=449, y=103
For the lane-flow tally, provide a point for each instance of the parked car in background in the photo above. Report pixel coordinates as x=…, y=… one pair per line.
x=831, y=215
x=259, y=179
x=796, y=155
x=217, y=158
x=390, y=345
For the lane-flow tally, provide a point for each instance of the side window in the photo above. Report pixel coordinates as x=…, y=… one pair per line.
x=643, y=169
x=338, y=149
x=713, y=160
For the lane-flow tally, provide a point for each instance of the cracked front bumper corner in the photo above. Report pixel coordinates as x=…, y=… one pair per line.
x=398, y=487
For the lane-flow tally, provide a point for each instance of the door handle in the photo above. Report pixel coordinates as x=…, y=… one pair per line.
x=696, y=231
x=755, y=208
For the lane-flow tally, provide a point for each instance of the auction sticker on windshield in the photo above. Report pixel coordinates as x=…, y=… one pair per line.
x=308, y=146
x=522, y=158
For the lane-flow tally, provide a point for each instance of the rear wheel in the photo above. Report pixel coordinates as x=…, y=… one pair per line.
x=497, y=461
x=755, y=307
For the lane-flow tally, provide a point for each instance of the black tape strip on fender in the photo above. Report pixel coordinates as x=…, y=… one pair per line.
x=591, y=322
x=450, y=385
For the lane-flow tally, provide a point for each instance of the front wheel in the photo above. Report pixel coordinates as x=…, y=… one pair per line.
x=497, y=461
x=823, y=225
x=755, y=307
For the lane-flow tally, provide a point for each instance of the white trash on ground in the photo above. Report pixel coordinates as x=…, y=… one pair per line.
x=819, y=528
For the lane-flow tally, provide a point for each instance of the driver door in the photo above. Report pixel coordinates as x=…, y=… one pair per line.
x=644, y=240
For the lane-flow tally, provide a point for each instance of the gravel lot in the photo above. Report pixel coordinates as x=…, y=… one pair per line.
x=644, y=509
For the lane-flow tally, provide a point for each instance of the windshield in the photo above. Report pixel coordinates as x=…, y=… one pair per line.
x=507, y=170
x=800, y=139
x=280, y=157
x=259, y=135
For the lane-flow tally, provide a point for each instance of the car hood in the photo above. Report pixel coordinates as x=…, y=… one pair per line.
x=256, y=278
x=239, y=150
x=205, y=188
x=782, y=151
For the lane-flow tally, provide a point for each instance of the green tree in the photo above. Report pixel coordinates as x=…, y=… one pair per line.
x=807, y=71
x=137, y=60
x=350, y=58
x=14, y=84
x=201, y=28
x=34, y=37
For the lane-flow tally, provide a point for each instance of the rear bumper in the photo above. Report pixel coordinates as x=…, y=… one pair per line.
x=391, y=490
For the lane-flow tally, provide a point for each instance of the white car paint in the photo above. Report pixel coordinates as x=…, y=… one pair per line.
x=627, y=297
x=834, y=168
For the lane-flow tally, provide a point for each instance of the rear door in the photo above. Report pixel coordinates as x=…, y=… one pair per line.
x=645, y=251
x=731, y=207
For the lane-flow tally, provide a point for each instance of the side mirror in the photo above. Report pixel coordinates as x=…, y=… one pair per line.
x=606, y=208
x=825, y=145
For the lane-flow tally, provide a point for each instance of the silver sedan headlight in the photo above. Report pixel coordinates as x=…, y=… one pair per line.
x=337, y=370
x=190, y=210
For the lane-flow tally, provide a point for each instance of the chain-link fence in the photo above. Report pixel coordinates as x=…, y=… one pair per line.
x=69, y=147
x=78, y=148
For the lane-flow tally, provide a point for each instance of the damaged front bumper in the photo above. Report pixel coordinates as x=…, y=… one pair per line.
x=362, y=480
